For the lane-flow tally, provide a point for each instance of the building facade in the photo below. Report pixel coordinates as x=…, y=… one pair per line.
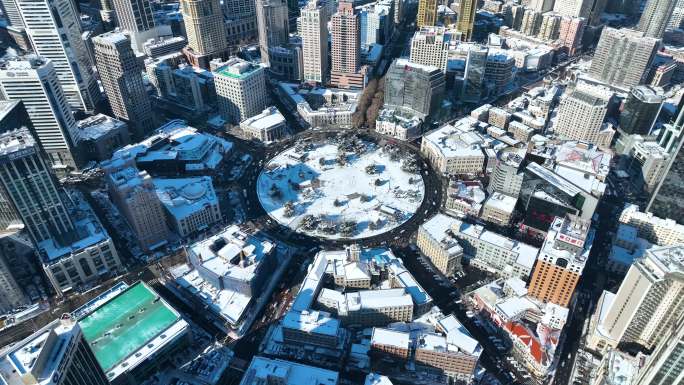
x=655, y=18
x=580, y=117
x=120, y=73
x=205, y=29
x=240, y=90
x=314, y=30
x=663, y=366
x=561, y=260
x=345, y=51
x=431, y=45
x=414, y=86
x=34, y=81
x=54, y=28
x=134, y=16
x=56, y=351
x=436, y=241
x=272, y=22
x=622, y=57
x=134, y=194
x=466, y=18
x=427, y=13
x=640, y=110
x=650, y=299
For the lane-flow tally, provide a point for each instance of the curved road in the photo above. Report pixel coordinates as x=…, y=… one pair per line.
x=399, y=235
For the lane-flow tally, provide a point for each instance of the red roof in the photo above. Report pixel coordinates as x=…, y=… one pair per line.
x=525, y=336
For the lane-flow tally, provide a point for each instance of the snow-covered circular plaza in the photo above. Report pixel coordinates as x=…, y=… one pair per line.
x=343, y=187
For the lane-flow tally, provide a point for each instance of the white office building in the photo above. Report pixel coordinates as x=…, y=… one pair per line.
x=240, y=89
x=313, y=24
x=54, y=28
x=35, y=82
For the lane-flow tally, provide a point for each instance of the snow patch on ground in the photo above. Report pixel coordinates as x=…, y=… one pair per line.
x=322, y=191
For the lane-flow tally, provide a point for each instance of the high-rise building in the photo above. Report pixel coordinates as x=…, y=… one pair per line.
x=272, y=22
x=675, y=21
x=650, y=299
x=54, y=354
x=107, y=14
x=623, y=57
x=540, y=5
x=240, y=89
x=466, y=18
x=655, y=17
x=377, y=22
x=666, y=200
x=54, y=28
x=134, y=194
x=473, y=78
x=314, y=30
x=640, y=110
x=24, y=174
x=573, y=8
x=205, y=30
x=653, y=160
x=531, y=22
x=13, y=295
x=414, y=86
x=74, y=247
x=15, y=24
x=134, y=16
x=580, y=116
x=241, y=23
x=507, y=176
x=550, y=26
x=570, y=33
x=664, y=366
x=499, y=69
x=121, y=77
x=345, y=29
x=34, y=81
x=13, y=115
x=427, y=13
x=431, y=45
x=561, y=260
x=11, y=12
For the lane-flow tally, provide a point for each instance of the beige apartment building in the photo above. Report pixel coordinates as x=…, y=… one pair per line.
x=135, y=196
x=436, y=242
x=661, y=231
x=434, y=351
x=649, y=300
x=390, y=344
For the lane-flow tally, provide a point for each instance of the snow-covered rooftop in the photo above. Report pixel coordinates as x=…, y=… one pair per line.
x=501, y=202
x=176, y=141
x=389, y=337
x=457, y=140
x=268, y=119
x=230, y=304
x=377, y=379
x=231, y=253
x=39, y=355
x=89, y=231
x=98, y=126
x=183, y=197
x=265, y=370
x=315, y=322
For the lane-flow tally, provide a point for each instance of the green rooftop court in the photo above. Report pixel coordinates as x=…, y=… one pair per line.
x=126, y=323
